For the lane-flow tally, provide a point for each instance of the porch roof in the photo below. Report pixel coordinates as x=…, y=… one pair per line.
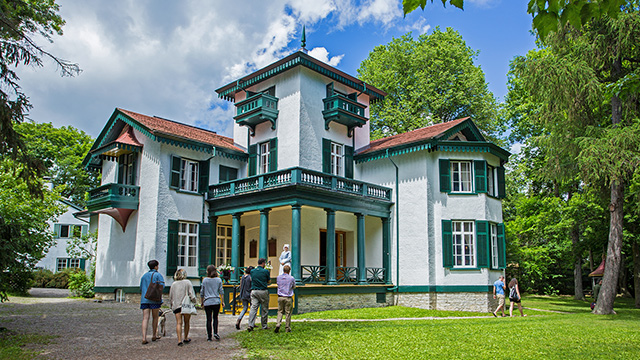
x=298, y=186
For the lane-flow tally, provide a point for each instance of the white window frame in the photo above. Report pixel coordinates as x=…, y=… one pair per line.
x=223, y=244
x=189, y=174
x=128, y=160
x=70, y=230
x=264, y=157
x=66, y=263
x=492, y=187
x=188, y=247
x=461, y=178
x=337, y=159
x=494, y=245
x=464, y=244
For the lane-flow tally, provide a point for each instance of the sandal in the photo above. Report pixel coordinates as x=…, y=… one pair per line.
x=186, y=341
x=155, y=338
x=180, y=343
x=144, y=342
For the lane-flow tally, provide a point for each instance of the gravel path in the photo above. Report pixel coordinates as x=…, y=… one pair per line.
x=85, y=329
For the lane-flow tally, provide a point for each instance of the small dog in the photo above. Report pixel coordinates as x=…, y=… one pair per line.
x=162, y=330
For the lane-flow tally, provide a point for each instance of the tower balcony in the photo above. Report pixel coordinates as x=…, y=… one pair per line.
x=343, y=110
x=257, y=109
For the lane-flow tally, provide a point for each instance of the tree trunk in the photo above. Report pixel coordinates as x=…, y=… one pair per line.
x=636, y=272
x=604, y=303
x=577, y=265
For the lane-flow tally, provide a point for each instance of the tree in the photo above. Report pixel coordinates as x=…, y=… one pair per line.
x=25, y=235
x=62, y=151
x=431, y=79
x=579, y=110
x=20, y=20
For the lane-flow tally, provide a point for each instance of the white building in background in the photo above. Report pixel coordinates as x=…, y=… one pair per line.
x=413, y=219
x=64, y=228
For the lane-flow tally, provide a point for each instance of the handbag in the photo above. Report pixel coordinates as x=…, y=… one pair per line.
x=154, y=291
x=188, y=307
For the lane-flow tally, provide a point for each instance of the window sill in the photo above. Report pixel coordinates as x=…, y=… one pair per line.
x=463, y=193
x=465, y=268
x=188, y=192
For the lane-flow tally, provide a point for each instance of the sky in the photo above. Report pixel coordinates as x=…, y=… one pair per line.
x=166, y=58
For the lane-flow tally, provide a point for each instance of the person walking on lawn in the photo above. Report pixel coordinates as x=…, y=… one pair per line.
x=260, y=279
x=286, y=284
x=498, y=292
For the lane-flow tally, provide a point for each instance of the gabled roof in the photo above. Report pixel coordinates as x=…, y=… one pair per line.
x=163, y=130
x=229, y=91
x=431, y=137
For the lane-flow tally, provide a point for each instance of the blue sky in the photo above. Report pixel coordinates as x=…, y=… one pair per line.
x=166, y=58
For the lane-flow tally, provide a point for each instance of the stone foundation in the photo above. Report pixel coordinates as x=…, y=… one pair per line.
x=459, y=301
x=309, y=303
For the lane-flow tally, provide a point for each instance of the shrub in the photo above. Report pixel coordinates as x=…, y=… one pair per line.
x=41, y=278
x=80, y=284
x=47, y=279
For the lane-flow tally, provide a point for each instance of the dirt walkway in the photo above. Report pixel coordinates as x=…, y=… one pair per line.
x=85, y=329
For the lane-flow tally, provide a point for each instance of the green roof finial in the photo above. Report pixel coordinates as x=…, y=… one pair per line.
x=303, y=42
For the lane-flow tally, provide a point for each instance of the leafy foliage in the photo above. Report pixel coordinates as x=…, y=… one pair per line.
x=431, y=79
x=25, y=235
x=80, y=284
x=44, y=278
x=19, y=21
x=62, y=151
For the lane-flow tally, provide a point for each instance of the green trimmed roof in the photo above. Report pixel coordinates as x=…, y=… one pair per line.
x=299, y=58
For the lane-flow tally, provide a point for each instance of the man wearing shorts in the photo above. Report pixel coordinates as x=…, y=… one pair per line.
x=150, y=308
x=498, y=292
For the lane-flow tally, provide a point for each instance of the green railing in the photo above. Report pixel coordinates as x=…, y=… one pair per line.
x=343, y=103
x=113, y=195
x=347, y=274
x=298, y=176
x=256, y=109
x=313, y=274
x=375, y=275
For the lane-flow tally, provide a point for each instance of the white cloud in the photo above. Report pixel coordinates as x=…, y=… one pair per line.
x=166, y=58
x=420, y=26
x=322, y=54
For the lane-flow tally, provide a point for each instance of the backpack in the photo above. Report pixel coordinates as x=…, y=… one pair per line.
x=513, y=294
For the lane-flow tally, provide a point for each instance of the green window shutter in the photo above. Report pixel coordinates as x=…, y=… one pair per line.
x=501, y=187
x=273, y=154
x=82, y=264
x=175, y=172
x=447, y=244
x=502, y=248
x=203, y=178
x=84, y=229
x=482, y=243
x=480, y=170
x=253, y=152
x=326, y=156
x=172, y=248
x=204, y=248
x=348, y=162
x=56, y=231
x=445, y=176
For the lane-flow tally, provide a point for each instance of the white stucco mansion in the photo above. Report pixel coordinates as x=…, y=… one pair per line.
x=413, y=219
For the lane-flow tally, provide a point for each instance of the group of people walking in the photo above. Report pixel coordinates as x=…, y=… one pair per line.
x=499, y=289
x=253, y=293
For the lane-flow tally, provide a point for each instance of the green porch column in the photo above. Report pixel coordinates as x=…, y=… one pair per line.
x=264, y=233
x=296, y=234
x=362, y=270
x=213, y=220
x=235, y=246
x=386, y=249
x=331, y=247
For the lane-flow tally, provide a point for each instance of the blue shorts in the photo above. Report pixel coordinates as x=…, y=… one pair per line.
x=150, y=306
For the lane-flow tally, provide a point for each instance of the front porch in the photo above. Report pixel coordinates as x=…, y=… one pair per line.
x=338, y=229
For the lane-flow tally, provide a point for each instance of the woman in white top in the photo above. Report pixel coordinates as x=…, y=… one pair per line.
x=180, y=288
x=285, y=258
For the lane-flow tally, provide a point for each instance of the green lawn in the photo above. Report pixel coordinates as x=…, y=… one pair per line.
x=579, y=335
x=13, y=345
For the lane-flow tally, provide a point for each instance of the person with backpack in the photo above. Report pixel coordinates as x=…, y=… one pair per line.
x=514, y=297
x=498, y=293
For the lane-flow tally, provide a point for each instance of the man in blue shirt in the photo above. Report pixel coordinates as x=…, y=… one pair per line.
x=498, y=292
x=260, y=278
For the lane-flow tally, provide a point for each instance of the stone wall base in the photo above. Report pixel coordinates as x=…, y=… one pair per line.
x=459, y=301
x=129, y=298
x=310, y=303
